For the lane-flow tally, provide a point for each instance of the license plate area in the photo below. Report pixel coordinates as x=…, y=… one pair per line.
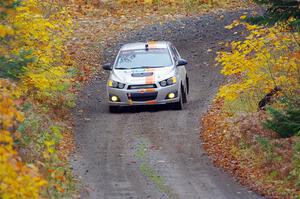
x=142, y=97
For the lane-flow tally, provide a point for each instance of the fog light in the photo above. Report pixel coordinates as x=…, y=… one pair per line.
x=114, y=98
x=171, y=95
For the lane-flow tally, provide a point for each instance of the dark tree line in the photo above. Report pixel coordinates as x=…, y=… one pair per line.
x=279, y=10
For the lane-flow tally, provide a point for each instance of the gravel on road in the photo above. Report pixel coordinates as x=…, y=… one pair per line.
x=154, y=152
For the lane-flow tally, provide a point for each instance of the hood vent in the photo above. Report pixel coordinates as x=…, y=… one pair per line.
x=142, y=74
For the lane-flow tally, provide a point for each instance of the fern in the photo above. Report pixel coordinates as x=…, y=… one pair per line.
x=286, y=122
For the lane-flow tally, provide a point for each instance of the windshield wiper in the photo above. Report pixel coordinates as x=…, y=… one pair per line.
x=147, y=67
x=139, y=67
x=122, y=68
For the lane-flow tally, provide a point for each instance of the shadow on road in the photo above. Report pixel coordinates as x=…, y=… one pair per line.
x=140, y=109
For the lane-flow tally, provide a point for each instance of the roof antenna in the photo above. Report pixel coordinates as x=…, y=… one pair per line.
x=147, y=46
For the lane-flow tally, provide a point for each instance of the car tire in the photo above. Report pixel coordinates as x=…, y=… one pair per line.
x=114, y=109
x=184, y=97
x=178, y=105
x=187, y=85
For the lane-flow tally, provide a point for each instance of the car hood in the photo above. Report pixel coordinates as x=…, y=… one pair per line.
x=142, y=76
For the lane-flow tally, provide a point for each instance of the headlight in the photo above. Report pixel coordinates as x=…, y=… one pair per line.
x=168, y=82
x=115, y=84
x=163, y=83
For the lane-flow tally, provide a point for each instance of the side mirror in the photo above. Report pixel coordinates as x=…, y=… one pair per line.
x=182, y=62
x=107, y=66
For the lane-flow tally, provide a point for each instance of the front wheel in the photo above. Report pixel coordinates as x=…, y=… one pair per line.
x=184, y=97
x=178, y=105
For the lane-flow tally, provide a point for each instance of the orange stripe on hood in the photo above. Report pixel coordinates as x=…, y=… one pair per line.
x=150, y=79
x=152, y=44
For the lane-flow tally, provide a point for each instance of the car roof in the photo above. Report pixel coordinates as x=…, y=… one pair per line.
x=142, y=45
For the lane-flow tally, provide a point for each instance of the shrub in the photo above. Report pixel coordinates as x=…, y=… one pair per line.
x=32, y=37
x=33, y=54
x=17, y=180
x=279, y=10
x=267, y=58
x=285, y=122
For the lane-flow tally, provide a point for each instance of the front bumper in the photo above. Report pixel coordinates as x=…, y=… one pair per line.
x=136, y=97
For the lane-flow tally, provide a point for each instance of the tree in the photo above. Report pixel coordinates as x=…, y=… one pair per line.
x=17, y=180
x=279, y=10
x=266, y=59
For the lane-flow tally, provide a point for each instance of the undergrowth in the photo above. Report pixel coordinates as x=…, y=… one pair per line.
x=252, y=130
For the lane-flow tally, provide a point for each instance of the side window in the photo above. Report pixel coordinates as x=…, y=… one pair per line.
x=175, y=53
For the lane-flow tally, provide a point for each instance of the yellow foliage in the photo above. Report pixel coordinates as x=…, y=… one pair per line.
x=8, y=113
x=267, y=58
x=16, y=179
x=41, y=29
x=166, y=2
x=45, y=81
x=5, y=30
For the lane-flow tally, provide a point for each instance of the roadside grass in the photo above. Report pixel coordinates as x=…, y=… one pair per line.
x=145, y=167
x=156, y=179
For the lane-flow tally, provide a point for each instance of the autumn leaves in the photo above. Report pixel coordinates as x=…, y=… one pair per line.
x=18, y=180
x=267, y=58
x=245, y=138
x=34, y=67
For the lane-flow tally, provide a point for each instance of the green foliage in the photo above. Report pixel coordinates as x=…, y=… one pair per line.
x=266, y=146
x=39, y=140
x=283, y=7
x=13, y=67
x=295, y=173
x=8, y=5
x=285, y=122
x=278, y=10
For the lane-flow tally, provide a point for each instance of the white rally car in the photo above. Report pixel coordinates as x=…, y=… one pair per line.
x=147, y=74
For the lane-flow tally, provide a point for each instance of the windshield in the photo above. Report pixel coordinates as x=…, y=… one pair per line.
x=142, y=58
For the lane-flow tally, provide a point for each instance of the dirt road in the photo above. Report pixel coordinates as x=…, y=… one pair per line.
x=154, y=152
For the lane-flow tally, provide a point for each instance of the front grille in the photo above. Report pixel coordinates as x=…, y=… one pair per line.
x=142, y=86
x=143, y=97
